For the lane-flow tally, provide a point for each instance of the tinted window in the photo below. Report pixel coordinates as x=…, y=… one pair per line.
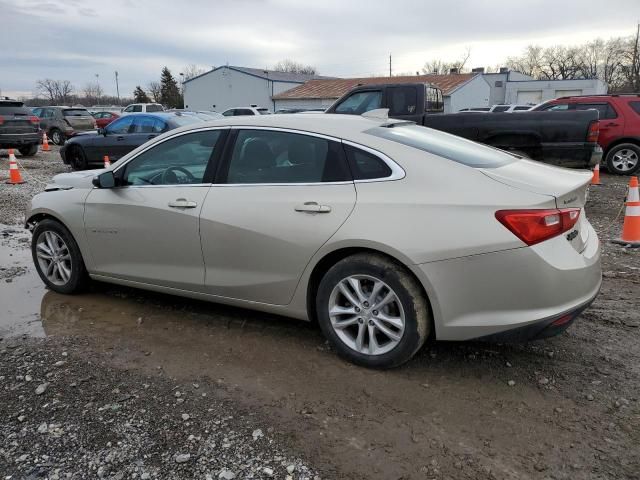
x=136, y=108
x=402, y=100
x=179, y=161
x=264, y=111
x=555, y=108
x=262, y=156
x=228, y=113
x=147, y=125
x=243, y=111
x=365, y=165
x=360, y=102
x=154, y=108
x=445, y=145
x=502, y=108
x=635, y=106
x=120, y=126
x=75, y=112
x=521, y=108
x=604, y=109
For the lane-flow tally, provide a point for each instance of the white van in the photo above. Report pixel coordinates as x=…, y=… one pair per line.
x=143, y=108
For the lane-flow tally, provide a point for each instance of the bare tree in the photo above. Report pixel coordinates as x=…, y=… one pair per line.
x=292, y=66
x=528, y=63
x=93, y=92
x=155, y=89
x=440, y=67
x=56, y=91
x=192, y=70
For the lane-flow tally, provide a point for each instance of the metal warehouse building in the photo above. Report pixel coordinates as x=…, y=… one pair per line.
x=228, y=86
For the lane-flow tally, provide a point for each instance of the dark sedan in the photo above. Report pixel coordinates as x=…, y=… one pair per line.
x=120, y=137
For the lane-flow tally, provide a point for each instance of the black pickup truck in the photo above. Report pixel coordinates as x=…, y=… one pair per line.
x=19, y=128
x=567, y=139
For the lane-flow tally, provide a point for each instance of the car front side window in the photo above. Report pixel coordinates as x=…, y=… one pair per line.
x=180, y=160
x=266, y=156
x=120, y=126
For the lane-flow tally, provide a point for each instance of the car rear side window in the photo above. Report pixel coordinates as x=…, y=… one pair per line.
x=180, y=160
x=365, y=165
x=500, y=109
x=605, y=110
x=154, y=108
x=635, y=106
x=445, y=145
x=266, y=156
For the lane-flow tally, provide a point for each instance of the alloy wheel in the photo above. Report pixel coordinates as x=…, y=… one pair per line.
x=54, y=257
x=625, y=160
x=366, y=314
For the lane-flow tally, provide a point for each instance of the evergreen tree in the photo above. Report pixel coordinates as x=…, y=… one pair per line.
x=140, y=96
x=169, y=91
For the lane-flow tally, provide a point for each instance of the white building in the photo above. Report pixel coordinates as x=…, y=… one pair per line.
x=229, y=86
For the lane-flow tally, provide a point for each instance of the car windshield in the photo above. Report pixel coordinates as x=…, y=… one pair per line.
x=445, y=145
x=75, y=112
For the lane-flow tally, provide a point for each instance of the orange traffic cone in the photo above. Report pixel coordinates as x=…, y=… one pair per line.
x=107, y=163
x=45, y=142
x=14, y=174
x=631, y=227
x=595, y=180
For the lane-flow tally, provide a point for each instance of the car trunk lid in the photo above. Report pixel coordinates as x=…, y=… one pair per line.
x=568, y=187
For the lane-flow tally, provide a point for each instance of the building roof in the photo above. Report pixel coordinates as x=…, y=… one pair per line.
x=266, y=74
x=335, y=88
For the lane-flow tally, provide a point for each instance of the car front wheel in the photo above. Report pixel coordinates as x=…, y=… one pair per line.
x=57, y=137
x=372, y=311
x=57, y=257
x=623, y=159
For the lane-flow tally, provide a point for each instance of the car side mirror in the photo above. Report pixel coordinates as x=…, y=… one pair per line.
x=105, y=180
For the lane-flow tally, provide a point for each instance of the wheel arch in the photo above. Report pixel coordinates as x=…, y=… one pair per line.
x=619, y=141
x=329, y=259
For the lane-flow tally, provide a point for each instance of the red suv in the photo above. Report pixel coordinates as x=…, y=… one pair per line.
x=619, y=126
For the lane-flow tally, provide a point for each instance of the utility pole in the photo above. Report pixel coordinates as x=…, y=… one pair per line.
x=117, y=87
x=635, y=65
x=98, y=87
x=389, y=64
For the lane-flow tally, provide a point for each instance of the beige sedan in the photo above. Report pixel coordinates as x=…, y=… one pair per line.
x=384, y=232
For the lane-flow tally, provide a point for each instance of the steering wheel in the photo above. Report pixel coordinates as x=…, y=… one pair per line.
x=169, y=176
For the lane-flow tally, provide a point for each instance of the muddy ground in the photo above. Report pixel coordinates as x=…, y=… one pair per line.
x=567, y=407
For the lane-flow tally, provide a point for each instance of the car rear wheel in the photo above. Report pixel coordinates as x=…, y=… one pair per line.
x=372, y=311
x=57, y=136
x=77, y=158
x=29, y=150
x=623, y=159
x=57, y=258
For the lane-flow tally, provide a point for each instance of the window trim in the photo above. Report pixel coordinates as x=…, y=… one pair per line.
x=397, y=172
x=209, y=172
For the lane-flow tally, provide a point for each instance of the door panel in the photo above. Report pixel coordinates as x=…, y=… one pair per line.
x=134, y=234
x=256, y=245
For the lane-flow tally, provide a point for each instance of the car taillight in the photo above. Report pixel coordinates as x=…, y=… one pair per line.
x=33, y=119
x=535, y=226
x=594, y=132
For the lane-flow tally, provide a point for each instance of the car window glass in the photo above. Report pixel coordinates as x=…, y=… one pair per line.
x=604, y=109
x=555, y=108
x=635, y=106
x=228, y=113
x=137, y=108
x=75, y=112
x=243, y=111
x=145, y=124
x=522, y=108
x=47, y=113
x=503, y=108
x=360, y=102
x=120, y=126
x=129, y=108
x=154, y=108
x=366, y=166
x=263, y=156
x=402, y=100
x=37, y=112
x=181, y=160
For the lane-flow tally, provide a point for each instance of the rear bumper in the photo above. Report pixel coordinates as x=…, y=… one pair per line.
x=517, y=293
x=9, y=140
x=572, y=154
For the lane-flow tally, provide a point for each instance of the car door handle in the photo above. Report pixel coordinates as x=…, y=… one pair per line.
x=611, y=124
x=312, y=207
x=182, y=203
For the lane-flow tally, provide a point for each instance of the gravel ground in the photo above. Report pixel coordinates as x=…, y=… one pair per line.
x=563, y=408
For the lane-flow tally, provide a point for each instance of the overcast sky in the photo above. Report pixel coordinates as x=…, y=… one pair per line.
x=77, y=39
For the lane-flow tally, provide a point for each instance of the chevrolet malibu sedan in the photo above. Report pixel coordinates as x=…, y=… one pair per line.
x=384, y=232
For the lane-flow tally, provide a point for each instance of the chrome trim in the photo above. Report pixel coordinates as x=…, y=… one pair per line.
x=397, y=172
x=163, y=186
x=346, y=182
x=287, y=130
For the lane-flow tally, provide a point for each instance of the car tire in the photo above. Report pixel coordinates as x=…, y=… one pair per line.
x=400, y=327
x=29, y=151
x=57, y=137
x=77, y=158
x=623, y=159
x=57, y=258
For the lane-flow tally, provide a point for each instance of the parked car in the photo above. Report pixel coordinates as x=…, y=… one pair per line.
x=142, y=108
x=19, y=128
x=120, y=137
x=385, y=232
x=62, y=123
x=500, y=108
x=240, y=111
x=104, y=118
x=619, y=126
x=567, y=139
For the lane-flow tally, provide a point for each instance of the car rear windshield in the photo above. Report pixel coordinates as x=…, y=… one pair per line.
x=154, y=108
x=13, y=108
x=445, y=145
x=75, y=112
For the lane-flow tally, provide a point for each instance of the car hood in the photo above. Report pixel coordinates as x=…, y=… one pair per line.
x=66, y=181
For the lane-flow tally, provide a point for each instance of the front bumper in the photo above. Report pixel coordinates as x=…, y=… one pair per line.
x=524, y=289
x=9, y=140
